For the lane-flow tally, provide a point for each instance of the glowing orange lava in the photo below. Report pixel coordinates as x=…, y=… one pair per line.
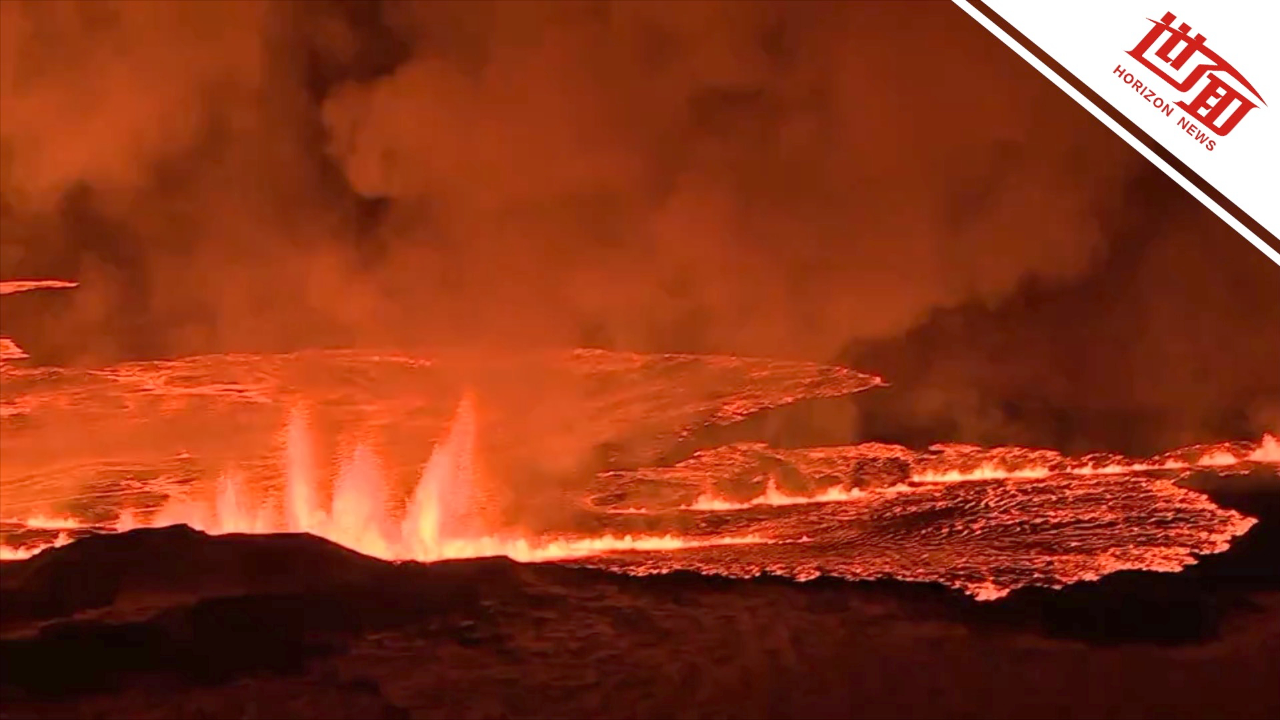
x=9, y=287
x=985, y=520
x=1267, y=451
x=432, y=526
x=51, y=522
x=22, y=553
x=773, y=496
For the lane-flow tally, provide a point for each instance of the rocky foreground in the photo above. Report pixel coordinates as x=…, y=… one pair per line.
x=172, y=623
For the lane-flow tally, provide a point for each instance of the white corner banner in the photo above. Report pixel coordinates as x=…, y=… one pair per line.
x=1200, y=77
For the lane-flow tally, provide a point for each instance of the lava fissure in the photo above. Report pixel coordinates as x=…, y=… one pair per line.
x=434, y=525
x=189, y=442
x=925, y=469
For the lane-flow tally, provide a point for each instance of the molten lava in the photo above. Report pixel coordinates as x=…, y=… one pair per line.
x=1007, y=467
x=203, y=441
x=773, y=496
x=433, y=525
x=983, y=520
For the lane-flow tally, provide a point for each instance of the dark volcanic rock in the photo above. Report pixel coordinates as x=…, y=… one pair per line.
x=165, y=565
x=292, y=626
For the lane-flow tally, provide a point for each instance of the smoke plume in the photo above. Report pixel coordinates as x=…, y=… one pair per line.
x=781, y=179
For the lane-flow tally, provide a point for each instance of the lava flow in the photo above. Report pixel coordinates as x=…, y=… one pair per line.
x=983, y=520
x=358, y=517
x=1000, y=464
x=197, y=441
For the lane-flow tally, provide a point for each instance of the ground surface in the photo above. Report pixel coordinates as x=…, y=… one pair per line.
x=172, y=623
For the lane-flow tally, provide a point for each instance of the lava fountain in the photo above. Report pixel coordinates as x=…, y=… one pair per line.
x=438, y=521
x=203, y=441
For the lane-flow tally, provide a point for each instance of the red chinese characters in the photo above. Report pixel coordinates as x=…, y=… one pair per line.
x=1185, y=62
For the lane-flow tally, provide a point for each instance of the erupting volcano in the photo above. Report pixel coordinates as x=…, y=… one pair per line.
x=434, y=524
x=625, y=359
x=364, y=453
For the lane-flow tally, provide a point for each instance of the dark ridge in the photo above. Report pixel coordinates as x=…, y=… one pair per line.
x=170, y=563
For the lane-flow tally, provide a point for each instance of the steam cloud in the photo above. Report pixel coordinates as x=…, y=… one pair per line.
x=777, y=179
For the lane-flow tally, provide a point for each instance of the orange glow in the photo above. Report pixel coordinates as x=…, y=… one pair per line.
x=570, y=548
x=9, y=287
x=302, y=477
x=443, y=490
x=989, y=471
x=22, y=553
x=1219, y=458
x=773, y=497
x=986, y=471
x=1267, y=451
x=431, y=528
x=879, y=519
x=51, y=522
